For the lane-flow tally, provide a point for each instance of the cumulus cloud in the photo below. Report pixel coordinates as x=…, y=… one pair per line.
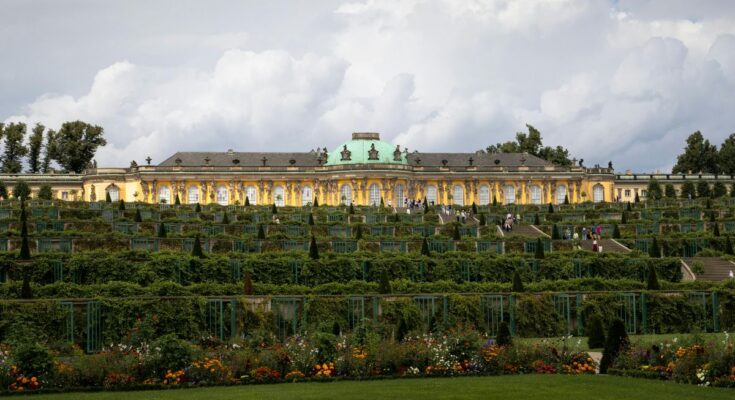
x=609, y=80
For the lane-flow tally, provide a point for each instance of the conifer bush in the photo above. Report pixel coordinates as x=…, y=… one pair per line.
x=595, y=332
x=616, y=341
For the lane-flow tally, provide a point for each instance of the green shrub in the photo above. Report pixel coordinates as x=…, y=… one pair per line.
x=32, y=358
x=504, y=338
x=168, y=352
x=617, y=341
x=595, y=332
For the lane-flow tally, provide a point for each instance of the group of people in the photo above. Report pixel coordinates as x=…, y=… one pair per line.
x=593, y=233
x=412, y=204
x=509, y=221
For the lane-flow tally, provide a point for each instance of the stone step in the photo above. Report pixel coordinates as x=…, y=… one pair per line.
x=715, y=268
x=608, y=246
x=525, y=230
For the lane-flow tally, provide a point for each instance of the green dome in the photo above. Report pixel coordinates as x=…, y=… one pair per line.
x=366, y=148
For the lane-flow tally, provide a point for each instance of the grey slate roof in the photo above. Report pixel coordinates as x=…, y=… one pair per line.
x=479, y=159
x=309, y=159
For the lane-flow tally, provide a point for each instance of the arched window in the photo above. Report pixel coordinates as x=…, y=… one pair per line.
x=431, y=194
x=252, y=194
x=510, y=194
x=192, y=195
x=164, y=195
x=278, y=196
x=346, y=194
x=114, y=193
x=400, y=196
x=306, y=195
x=374, y=195
x=484, y=195
x=458, y=195
x=222, y=196
x=561, y=194
x=598, y=193
x=535, y=194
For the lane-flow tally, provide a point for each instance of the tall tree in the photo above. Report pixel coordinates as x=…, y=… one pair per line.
x=654, y=190
x=75, y=145
x=48, y=151
x=670, y=191
x=699, y=156
x=726, y=156
x=35, y=142
x=532, y=143
x=14, y=134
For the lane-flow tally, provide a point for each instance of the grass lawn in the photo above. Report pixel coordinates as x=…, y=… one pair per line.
x=526, y=387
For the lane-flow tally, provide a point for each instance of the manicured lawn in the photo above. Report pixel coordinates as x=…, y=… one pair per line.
x=506, y=387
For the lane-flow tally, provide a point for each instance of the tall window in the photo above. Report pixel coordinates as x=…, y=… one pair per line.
x=510, y=194
x=561, y=194
x=306, y=195
x=484, y=195
x=346, y=194
x=164, y=194
x=431, y=194
x=458, y=195
x=598, y=193
x=400, y=196
x=535, y=194
x=374, y=195
x=192, y=195
x=222, y=196
x=278, y=196
x=114, y=193
x=252, y=195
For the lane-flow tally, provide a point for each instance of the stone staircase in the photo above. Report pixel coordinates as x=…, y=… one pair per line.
x=524, y=230
x=608, y=246
x=715, y=268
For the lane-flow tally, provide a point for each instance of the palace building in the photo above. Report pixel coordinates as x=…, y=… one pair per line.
x=361, y=171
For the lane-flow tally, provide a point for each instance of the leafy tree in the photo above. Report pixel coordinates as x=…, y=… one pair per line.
x=35, y=142
x=517, y=282
x=313, y=249
x=76, y=144
x=45, y=192
x=616, y=232
x=3, y=191
x=699, y=156
x=248, y=284
x=688, y=191
x=654, y=190
x=669, y=191
x=21, y=190
x=652, y=279
x=555, y=232
x=726, y=156
x=384, y=283
x=595, y=332
x=539, y=250
x=504, y=337
x=719, y=190
x=654, y=251
x=617, y=341
x=425, y=248
x=703, y=189
x=15, y=150
x=162, y=233
x=531, y=143
x=196, y=249
x=48, y=151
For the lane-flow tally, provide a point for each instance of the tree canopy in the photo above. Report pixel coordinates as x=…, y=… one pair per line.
x=15, y=150
x=75, y=145
x=699, y=156
x=532, y=143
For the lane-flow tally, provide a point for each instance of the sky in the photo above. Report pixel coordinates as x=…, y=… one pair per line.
x=623, y=81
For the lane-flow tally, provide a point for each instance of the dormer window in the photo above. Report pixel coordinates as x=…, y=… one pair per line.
x=346, y=154
x=372, y=153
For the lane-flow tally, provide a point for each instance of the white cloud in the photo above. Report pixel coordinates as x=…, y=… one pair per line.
x=607, y=79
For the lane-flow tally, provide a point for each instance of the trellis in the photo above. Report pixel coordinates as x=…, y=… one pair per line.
x=217, y=313
x=441, y=246
x=344, y=246
x=628, y=311
x=46, y=245
x=286, y=315
x=490, y=246
x=568, y=307
x=428, y=309
x=393, y=245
